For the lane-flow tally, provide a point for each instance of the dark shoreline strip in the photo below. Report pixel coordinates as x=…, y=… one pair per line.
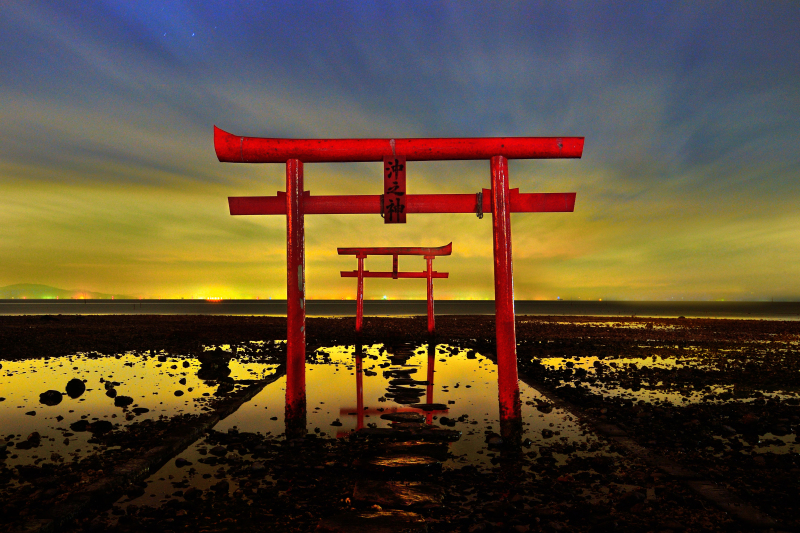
x=109, y=488
x=709, y=490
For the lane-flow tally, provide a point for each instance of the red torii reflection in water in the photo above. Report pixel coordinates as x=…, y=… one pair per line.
x=500, y=201
x=360, y=411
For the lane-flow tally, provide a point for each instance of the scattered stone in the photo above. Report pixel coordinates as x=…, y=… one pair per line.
x=430, y=406
x=219, y=451
x=409, y=465
x=494, y=440
x=140, y=410
x=373, y=522
x=178, y=393
x=221, y=486
x=31, y=413
x=426, y=433
x=398, y=493
x=447, y=421
x=111, y=393
x=123, y=401
x=101, y=426
x=180, y=462
x=75, y=388
x=192, y=493
x=403, y=417
x=80, y=425
x=51, y=397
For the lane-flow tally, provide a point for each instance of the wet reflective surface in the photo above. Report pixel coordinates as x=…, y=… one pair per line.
x=727, y=410
x=464, y=383
x=117, y=390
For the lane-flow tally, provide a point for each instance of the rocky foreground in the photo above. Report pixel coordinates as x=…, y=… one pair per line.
x=733, y=434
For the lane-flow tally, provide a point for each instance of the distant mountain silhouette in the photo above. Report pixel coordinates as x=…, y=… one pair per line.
x=33, y=291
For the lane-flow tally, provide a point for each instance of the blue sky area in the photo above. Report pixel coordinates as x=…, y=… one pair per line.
x=687, y=189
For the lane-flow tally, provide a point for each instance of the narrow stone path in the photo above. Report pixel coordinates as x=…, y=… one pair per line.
x=397, y=484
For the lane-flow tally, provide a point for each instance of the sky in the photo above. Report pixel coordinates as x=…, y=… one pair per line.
x=687, y=189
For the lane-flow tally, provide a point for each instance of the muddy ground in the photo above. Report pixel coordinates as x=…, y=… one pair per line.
x=746, y=373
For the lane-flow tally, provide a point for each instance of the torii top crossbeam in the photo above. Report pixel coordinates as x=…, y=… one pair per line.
x=500, y=201
x=234, y=149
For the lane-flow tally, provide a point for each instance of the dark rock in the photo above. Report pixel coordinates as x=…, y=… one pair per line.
x=399, y=373
x=31, y=413
x=75, y=388
x=430, y=406
x=403, y=417
x=424, y=433
x=493, y=439
x=373, y=522
x=404, y=400
x=178, y=393
x=223, y=388
x=182, y=381
x=219, y=451
x=192, y=493
x=180, y=462
x=409, y=465
x=101, y=426
x=123, y=401
x=406, y=381
x=80, y=425
x=336, y=423
x=111, y=393
x=398, y=493
x=51, y=397
x=447, y=421
x=140, y=410
x=221, y=486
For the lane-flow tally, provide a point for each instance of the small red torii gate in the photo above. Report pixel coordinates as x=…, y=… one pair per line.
x=499, y=200
x=429, y=274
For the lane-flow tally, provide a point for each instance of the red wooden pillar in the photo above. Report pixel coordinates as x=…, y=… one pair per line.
x=510, y=409
x=295, y=301
x=360, y=295
x=431, y=324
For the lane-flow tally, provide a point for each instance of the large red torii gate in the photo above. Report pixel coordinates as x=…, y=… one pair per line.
x=500, y=201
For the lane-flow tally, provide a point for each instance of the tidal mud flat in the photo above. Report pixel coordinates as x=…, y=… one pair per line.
x=718, y=398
